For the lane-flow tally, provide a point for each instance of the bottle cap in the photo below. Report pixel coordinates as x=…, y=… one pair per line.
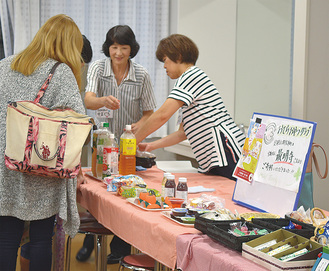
x=182, y=179
x=106, y=124
x=166, y=174
x=171, y=177
x=128, y=127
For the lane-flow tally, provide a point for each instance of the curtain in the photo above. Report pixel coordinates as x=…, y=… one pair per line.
x=149, y=19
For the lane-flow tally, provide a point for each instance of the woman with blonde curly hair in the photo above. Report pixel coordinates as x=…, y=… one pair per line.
x=30, y=198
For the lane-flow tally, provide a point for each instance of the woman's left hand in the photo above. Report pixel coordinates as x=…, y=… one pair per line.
x=80, y=179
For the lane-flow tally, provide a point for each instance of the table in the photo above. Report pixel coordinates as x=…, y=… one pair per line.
x=150, y=231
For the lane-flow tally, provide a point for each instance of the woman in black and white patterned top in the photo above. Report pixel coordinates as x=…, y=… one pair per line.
x=212, y=133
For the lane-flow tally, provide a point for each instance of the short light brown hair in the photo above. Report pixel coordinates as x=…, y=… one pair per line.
x=178, y=48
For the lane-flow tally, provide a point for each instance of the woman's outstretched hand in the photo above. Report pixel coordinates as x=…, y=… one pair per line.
x=144, y=147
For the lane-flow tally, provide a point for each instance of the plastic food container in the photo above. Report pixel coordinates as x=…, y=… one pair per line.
x=179, y=211
x=176, y=202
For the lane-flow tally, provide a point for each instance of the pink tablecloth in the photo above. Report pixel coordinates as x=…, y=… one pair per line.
x=197, y=252
x=149, y=231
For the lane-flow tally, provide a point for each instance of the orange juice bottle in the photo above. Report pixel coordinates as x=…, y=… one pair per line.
x=127, y=160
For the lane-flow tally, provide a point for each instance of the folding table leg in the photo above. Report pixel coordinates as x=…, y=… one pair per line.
x=101, y=252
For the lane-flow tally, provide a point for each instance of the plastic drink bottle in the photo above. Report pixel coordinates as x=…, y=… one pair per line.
x=114, y=155
x=127, y=164
x=103, y=133
x=170, y=187
x=182, y=190
x=94, y=151
x=107, y=156
x=164, y=180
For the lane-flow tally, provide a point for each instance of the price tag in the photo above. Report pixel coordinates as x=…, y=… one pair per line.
x=104, y=112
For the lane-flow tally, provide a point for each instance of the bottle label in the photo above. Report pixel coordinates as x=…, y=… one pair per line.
x=164, y=180
x=106, y=161
x=169, y=192
x=100, y=154
x=114, y=160
x=128, y=146
x=182, y=195
x=95, y=140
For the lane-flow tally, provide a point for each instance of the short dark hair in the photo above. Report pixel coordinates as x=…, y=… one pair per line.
x=87, y=51
x=121, y=34
x=178, y=48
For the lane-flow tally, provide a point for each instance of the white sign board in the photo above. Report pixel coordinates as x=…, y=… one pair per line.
x=273, y=162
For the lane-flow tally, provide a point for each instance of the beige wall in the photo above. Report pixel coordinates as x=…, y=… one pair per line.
x=317, y=92
x=212, y=25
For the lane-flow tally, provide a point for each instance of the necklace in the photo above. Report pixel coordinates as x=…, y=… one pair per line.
x=123, y=76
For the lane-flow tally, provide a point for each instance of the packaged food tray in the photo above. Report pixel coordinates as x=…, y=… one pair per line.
x=219, y=232
x=274, y=224
x=202, y=223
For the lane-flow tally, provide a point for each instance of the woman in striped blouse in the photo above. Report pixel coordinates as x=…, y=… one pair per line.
x=120, y=84
x=214, y=137
x=124, y=87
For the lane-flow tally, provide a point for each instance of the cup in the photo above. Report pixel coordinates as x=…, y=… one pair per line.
x=176, y=202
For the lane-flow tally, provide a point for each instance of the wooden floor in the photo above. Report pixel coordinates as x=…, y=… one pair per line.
x=89, y=265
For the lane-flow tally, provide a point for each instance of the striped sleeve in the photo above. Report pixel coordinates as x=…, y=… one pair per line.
x=93, y=75
x=181, y=95
x=148, y=98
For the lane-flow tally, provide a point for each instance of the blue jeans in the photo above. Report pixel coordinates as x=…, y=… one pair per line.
x=41, y=232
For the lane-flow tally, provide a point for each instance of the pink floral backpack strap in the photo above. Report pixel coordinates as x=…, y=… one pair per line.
x=43, y=88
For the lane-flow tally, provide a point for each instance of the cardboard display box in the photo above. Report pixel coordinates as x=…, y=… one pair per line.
x=302, y=263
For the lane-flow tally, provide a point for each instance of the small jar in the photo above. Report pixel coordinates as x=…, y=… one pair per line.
x=182, y=190
x=163, y=184
x=170, y=187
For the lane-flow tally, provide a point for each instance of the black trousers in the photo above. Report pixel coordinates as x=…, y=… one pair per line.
x=232, y=161
x=118, y=247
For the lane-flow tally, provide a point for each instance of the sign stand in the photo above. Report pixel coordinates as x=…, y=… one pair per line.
x=272, y=166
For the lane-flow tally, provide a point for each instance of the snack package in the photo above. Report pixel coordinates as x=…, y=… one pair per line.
x=114, y=183
x=206, y=202
x=301, y=215
x=127, y=191
x=221, y=214
x=149, y=200
x=322, y=234
x=241, y=229
x=110, y=182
